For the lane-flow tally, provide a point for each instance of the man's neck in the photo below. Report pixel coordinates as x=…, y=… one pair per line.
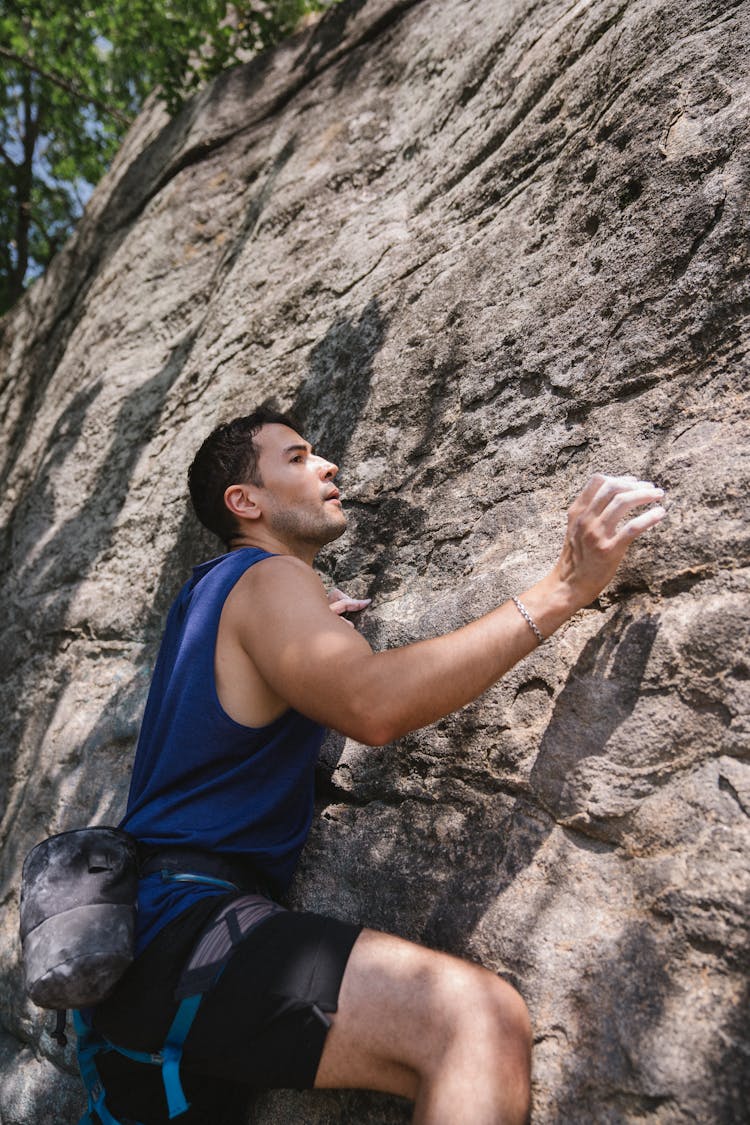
x=265, y=541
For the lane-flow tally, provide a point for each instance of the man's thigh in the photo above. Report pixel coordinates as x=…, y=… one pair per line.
x=399, y=1004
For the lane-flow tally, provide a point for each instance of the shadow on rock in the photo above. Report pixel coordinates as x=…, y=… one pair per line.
x=612, y=1069
x=70, y=555
x=601, y=691
x=331, y=401
x=85, y=536
x=328, y=34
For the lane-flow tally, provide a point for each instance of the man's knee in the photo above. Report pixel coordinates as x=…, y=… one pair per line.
x=511, y=1012
x=501, y=1042
x=481, y=1027
x=472, y=1001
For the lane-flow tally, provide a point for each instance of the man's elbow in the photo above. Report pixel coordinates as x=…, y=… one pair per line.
x=371, y=726
x=378, y=736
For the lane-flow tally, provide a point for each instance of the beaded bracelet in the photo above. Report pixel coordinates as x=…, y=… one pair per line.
x=529, y=619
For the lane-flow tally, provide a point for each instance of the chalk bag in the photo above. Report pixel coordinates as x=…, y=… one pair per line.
x=78, y=892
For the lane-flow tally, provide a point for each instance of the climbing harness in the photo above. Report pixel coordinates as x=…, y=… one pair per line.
x=204, y=967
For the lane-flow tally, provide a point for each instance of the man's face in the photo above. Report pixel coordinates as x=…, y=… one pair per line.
x=300, y=502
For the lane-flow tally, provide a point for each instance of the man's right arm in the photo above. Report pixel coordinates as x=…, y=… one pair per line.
x=327, y=671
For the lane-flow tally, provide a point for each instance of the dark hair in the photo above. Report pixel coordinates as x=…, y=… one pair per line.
x=228, y=456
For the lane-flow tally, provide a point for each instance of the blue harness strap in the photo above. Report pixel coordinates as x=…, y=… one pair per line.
x=172, y=1054
x=91, y=1043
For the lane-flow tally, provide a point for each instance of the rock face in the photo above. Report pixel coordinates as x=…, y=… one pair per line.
x=484, y=249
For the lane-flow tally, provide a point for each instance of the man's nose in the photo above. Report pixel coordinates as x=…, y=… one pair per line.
x=327, y=469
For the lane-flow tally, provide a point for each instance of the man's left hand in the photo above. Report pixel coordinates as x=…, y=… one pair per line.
x=340, y=603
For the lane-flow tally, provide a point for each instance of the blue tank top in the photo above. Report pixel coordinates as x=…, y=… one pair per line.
x=202, y=780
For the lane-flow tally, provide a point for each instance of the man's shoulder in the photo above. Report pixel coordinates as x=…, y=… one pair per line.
x=276, y=602
x=276, y=576
x=280, y=568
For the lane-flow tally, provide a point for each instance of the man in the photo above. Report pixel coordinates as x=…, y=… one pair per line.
x=253, y=667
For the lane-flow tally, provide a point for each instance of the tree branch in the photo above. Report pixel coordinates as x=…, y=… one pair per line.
x=70, y=87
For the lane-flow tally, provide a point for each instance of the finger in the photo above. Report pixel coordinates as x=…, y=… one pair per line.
x=340, y=608
x=622, y=502
x=589, y=492
x=336, y=595
x=611, y=487
x=349, y=605
x=599, y=484
x=635, y=527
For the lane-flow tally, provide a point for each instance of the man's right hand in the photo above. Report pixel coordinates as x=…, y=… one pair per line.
x=598, y=533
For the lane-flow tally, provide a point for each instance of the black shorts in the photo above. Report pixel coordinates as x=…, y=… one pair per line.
x=261, y=1025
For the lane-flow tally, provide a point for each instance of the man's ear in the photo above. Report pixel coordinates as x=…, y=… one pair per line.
x=242, y=501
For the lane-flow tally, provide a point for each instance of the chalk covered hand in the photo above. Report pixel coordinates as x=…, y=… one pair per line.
x=598, y=533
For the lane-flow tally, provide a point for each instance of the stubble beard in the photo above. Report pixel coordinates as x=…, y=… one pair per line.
x=306, y=527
